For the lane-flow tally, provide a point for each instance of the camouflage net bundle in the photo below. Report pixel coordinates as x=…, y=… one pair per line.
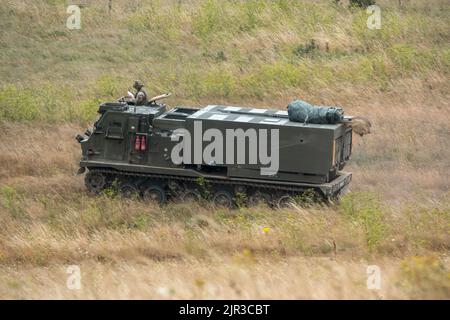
x=301, y=111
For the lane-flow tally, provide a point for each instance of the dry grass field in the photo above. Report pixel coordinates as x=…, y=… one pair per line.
x=252, y=53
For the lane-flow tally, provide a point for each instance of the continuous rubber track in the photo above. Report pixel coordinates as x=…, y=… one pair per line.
x=211, y=185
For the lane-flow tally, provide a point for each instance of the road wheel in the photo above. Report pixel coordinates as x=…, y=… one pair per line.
x=285, y=201
x=190, y=196
x=95, y=181
x=259, y=197
x=155, y=193
x=128, y=190
x=223, y=198
x=174, y=186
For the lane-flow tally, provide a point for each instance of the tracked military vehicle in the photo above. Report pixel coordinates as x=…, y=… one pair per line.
x=133, y=148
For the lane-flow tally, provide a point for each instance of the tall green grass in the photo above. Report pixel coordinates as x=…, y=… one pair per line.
x=208, y=50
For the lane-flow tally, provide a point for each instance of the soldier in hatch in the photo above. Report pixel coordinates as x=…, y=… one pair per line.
x=140, y=97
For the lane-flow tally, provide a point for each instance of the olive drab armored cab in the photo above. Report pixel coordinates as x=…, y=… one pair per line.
x=215, y=152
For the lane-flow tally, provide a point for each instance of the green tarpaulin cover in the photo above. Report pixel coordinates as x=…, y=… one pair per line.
x=301, y=111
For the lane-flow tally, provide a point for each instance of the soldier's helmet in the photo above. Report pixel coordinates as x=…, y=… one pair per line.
x=138, y=85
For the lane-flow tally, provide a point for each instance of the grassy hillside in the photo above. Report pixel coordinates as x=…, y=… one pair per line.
x=251, y=53
x=243, y=52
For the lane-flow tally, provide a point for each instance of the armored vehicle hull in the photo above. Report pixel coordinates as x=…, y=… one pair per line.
x=159, y=155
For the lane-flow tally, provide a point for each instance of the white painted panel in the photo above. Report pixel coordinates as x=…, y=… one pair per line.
x=271, y=120
x=218, y=116
x=258, y=110
x=244, y=119
x=232, y=109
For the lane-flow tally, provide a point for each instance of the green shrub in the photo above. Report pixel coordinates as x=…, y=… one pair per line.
x=17, y=104
x=209, y=19
x=305, y=49
x=363, y=210
x=219, y=83
x=13, y=202
x=408, y=58
x=425, y=274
